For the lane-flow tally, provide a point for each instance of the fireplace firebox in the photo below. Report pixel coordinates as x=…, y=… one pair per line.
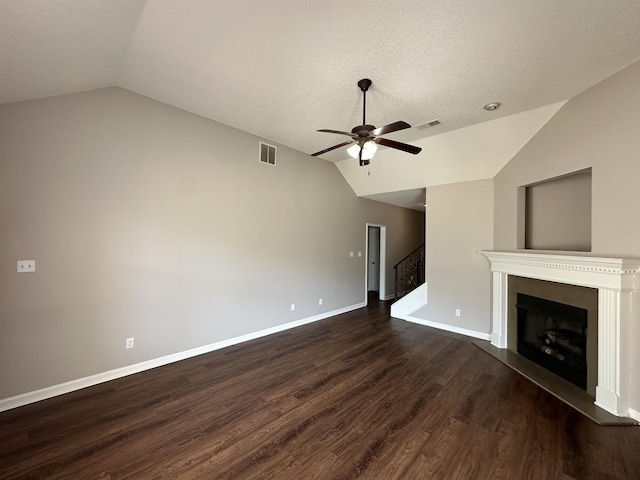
x=554, y=335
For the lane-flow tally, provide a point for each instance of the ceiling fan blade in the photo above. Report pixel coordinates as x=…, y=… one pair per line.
x=392, y=127
x=398, y=145
x=336, y=131
x=331, y=148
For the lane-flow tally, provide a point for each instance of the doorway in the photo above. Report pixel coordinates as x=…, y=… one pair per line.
x=375, y=285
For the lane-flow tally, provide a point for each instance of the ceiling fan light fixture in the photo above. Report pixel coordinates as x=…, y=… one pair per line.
x=369, y=149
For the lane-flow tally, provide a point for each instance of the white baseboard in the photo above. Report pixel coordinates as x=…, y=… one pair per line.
x=414, y=301
x=635, y=414
x=446, y=327
x=73, y=385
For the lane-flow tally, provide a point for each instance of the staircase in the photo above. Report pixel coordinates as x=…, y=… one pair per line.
x=409, y=272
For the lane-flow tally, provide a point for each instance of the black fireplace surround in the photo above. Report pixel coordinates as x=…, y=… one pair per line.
x=554, y=335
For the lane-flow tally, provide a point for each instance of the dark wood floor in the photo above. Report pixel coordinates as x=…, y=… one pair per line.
x=355, y=396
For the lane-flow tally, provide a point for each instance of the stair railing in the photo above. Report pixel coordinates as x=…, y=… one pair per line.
x=409, y=272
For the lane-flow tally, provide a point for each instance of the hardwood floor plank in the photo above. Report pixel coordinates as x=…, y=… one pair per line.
x=356, y=396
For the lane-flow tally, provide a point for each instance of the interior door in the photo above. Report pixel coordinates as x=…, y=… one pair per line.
x=373, y=272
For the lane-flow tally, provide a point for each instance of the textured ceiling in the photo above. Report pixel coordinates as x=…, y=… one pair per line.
x=282, y=69
x=413, y=199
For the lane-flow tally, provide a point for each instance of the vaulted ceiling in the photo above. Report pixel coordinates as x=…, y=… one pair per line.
x=281, y=69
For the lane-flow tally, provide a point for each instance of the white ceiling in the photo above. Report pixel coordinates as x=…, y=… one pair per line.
x=413, y=199
x=281, y=69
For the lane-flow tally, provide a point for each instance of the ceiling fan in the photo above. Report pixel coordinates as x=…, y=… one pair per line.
x=365, y=137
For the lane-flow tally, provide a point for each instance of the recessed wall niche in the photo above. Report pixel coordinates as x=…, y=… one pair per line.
x=555, y=214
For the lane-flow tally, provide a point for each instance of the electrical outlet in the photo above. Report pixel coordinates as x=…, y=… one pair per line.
x=319, y=301
x=26, y=266
x=457, y=312
x=293, y=307
x=129, y=342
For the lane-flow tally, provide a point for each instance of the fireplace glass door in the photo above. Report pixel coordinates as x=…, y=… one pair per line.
x=554, y=335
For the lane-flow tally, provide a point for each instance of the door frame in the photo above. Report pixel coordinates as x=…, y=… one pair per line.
x=383, y=262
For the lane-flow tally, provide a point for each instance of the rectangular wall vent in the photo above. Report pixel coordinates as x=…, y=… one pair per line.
x=432, y=123
x=267, y=154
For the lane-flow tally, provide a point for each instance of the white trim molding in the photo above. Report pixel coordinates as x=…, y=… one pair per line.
x=73, y=385
x=414, y=301
x=445, y=327
x=411, y=302
x=617, y=280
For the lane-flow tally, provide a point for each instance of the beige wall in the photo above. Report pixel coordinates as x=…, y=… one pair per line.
x=599, y=129
x=149, y=222
x=558, y=214
x=459, y=223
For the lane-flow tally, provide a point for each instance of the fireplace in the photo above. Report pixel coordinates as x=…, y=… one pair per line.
x=617, y=281
x=554, y=335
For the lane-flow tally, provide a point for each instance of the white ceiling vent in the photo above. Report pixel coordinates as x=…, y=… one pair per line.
x=267, y=154
x=432, y=123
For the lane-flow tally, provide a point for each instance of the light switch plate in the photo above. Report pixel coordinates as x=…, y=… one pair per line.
x=26, y=266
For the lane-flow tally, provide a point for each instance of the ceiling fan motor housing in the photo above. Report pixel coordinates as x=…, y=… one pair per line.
x=363, y=131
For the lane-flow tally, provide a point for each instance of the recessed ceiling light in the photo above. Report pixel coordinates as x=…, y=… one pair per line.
x=490, y=107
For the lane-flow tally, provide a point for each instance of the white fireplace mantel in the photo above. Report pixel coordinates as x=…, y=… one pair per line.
x=617, y=279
